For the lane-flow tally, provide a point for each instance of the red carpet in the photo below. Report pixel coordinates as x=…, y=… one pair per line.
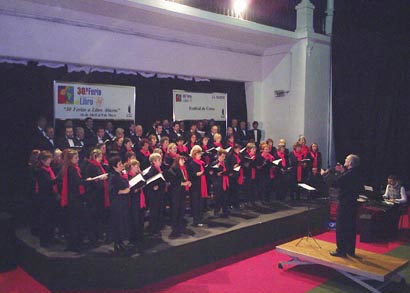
x=254, y=271
x=18, y=281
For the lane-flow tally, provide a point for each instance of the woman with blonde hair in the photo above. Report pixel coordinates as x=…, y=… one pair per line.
x=73, y=198
x=199, y=188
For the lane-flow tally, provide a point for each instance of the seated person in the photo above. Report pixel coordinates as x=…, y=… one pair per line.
x=395, y=192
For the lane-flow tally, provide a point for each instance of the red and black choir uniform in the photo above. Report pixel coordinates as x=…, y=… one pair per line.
x=169, y=160
x=199, y=189
x=190, y=145
x=282, y=175
x=297, y=172
x=314, y=177
x=205, y=155
x=46, y=192
x=182, y=150
x=98, y=202
x=143, y=157
x=220, y=179
x=124, y=152
x=119, y=208
x=305, y=150
x=155, y=193
x=137, y=206
x=236, y=179
x=178, y=175
x=248, y=164
x=272, y=150
x=266, y=175
x=73, y=198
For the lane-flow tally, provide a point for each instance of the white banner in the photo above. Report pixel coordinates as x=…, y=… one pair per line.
x=98, y=101
x=196, y=106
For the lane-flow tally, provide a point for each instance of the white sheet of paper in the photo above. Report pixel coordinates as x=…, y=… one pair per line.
x=145, y=171
x=307, y=187
x=237, y=168
x=153, y=178
x=276, y=162
x=134, y=181
x=368, y=188
x=102, y=176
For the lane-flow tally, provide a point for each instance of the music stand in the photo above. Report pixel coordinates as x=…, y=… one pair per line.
x=308, y=233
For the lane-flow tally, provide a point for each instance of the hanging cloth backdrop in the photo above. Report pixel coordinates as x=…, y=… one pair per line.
x=81, y=100
x=194, y=106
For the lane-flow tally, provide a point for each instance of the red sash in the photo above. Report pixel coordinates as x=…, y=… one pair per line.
x=314, y=156
x=182, y=149
x=105, y=183
x=185, y=174
x=52, y=176
x=217, y=144
x=282, y=156
x=64, y=188
x=238, y=161
x=145, y=153
x=270, y=158
x=204, y=187
x=142, y=195
x=225, y=179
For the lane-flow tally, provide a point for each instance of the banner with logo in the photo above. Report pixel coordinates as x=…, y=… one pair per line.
x=98, y=101
x=196, y=106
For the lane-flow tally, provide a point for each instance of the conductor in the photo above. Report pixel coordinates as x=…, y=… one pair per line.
x=350, y=185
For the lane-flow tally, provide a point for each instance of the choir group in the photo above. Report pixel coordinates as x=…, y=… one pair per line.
x=101, y=184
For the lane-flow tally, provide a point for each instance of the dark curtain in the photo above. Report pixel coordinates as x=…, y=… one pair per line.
x=371, y=92
x=27, y=92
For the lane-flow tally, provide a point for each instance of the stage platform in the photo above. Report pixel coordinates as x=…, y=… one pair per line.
x=365, y=266
x=162, y=258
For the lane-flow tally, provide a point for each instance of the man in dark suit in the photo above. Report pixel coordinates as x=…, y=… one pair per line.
x=89, y=134
x=350, y=184
x=109, y=131
x=235, y=126
x=175, y=132
x=68, y=140
x=241, y=135
x=39, y=133
x=48, y=142
x=255, y=134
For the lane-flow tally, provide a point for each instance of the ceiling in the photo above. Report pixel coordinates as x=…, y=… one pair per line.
x=157, y=20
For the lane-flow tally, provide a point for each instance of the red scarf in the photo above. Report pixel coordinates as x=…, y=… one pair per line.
x=270, y=158
x=253, y=170
x=173, y=155
x=314, y=156
x=204, y=187
x=104, y=160
x=182, y=149
x=165, y=150
x=225, y=179
x=231, y=144
x=299, y=157
x=204, y=147
x=192, y=145
x=305, y=150
x=282, y=156
x=105, y=183
x=64, y=188
x=185, y=174
x=142, y=195
x=217, y=144
x=238, y=161
x=52, y=176
x=145, y=153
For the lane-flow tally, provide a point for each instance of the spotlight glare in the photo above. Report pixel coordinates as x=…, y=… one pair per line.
x=239, y=6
